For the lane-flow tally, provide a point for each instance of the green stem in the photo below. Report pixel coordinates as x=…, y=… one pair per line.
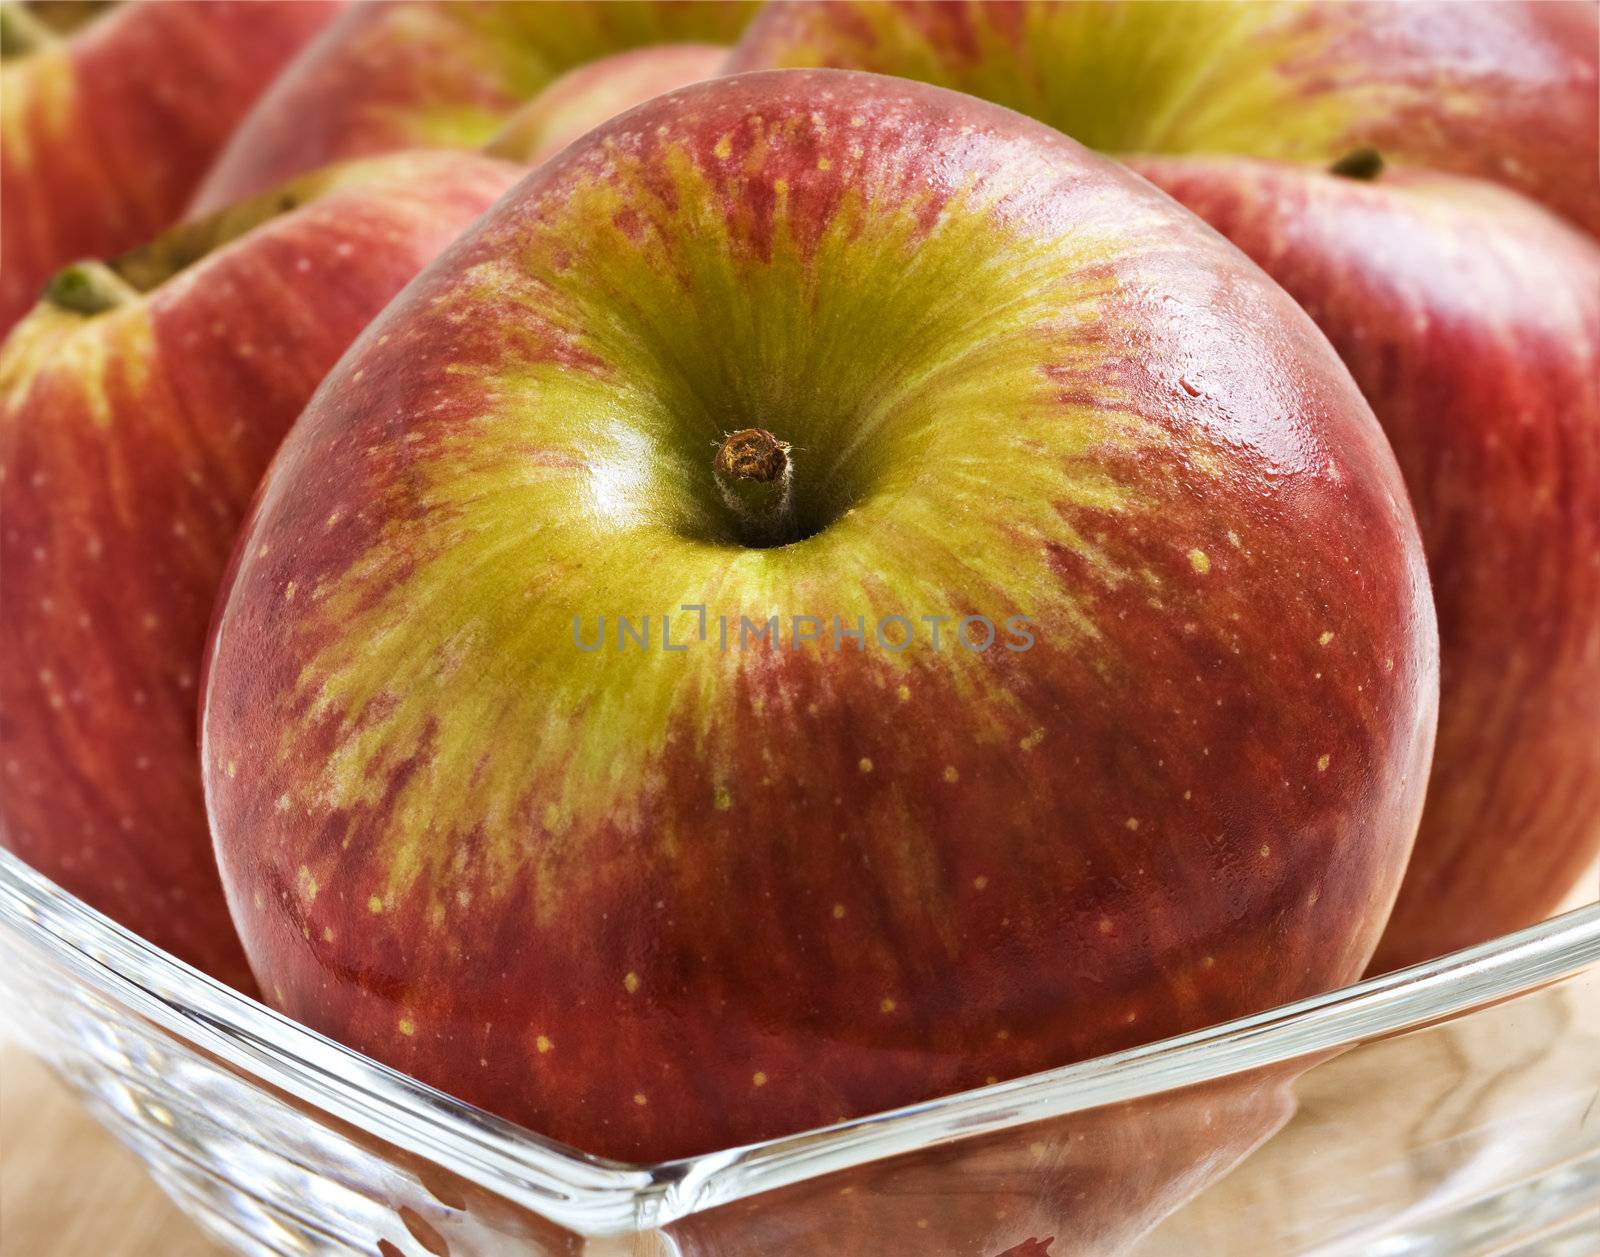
x=88, y=288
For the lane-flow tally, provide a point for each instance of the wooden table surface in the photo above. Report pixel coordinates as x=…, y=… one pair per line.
x=67, y=1188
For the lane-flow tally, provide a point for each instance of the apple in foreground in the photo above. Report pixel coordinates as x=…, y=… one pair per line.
x=1504, y=90
x=139, y=405
x=427, y=73
x=110, y=123
x=1465, y=315
x=582, y=99
x=1471, y=319
x=810, y=345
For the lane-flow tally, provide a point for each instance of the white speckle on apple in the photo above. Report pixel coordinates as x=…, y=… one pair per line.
x=865, y=765
x=630, y=982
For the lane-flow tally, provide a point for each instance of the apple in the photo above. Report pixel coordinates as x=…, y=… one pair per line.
x=775, y=360
x=109, y=123
x=1503, y=90
x=437, y=73
x=1472, y=338
x=1471, y=319
x=583, y=98
x=139, y=405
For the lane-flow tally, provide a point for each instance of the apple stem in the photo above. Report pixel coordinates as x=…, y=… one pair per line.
x=755, y=476
x=1364, y=164
x=21, y=32
x=88, y=288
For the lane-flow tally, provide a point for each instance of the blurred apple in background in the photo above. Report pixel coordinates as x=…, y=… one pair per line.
x=1466, y=314
x=654, y=902
x=424, y=73
x=1504, y=90
x=582, y=99
x=139, y=405
x=111, y=115
x=1471, y=319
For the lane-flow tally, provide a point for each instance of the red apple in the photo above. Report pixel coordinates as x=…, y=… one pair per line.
x=139, y=405
x=1465, y=316
x=1503, y=89
x=434, y=72
x=109, y=126
x=654, y=901
x=582, y=99
x=1471, y=319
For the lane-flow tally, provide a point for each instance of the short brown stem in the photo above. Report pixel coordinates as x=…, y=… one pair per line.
x=1364, y=164
x=755, y=475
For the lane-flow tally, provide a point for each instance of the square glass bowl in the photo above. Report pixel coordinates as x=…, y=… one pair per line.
x=1451, y=1108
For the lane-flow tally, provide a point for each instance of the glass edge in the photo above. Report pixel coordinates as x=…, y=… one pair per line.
x=593, y=1196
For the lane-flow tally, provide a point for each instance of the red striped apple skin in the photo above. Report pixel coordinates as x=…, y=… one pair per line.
x=654, y=903
x=107, y=133
x=1505, y=90
x=1471, y=319
x=424, y=73
x=131, y=442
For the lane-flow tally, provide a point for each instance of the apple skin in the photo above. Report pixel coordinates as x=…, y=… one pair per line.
x=654, y=903
x=1503, y=90
x=131, y=442
x=583, y=98
x=424, y=73
x=1471, y=319
x=108, y=132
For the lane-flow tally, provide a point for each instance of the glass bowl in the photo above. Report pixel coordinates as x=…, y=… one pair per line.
x=1450, y=1108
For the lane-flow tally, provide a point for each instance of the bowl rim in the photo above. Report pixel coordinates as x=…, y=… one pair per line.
x=594, y=1196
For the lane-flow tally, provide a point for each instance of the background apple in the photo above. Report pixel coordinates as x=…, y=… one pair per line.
x=139, y=405
x=653, y=902
x=109, y=123
x=583, y=98
x=1466, y=316
x=1471, y=319
x=419, y=73
x=1504, y=90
